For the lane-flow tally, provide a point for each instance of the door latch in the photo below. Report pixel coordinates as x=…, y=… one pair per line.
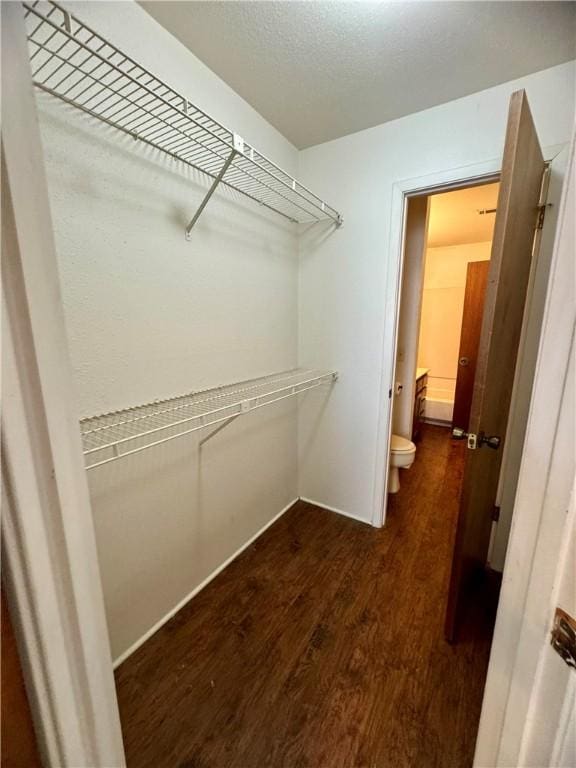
x=563, y=638
x=474, y=441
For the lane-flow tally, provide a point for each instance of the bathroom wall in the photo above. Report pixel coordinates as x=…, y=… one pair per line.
x=441, y=315
x=150, y=315
x=343, y=288
x=417, y=218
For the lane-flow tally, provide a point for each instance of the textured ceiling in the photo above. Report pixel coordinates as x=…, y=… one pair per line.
x=454, y=219
x=320, y=70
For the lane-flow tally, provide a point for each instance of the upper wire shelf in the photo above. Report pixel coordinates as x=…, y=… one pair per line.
x=113, y=435
x=77, y=65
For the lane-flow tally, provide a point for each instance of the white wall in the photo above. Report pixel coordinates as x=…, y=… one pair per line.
x=150, y=315
x=442, y=309
x=343, y=275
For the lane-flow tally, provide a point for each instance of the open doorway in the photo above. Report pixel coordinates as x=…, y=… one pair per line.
x=445, y=269
x=446, y=258
x=458, y=245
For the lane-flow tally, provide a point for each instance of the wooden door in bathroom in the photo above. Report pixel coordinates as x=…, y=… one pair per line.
x=476, y=279
x=519, y=201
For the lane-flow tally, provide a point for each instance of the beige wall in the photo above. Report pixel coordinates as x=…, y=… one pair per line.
x=441, y=318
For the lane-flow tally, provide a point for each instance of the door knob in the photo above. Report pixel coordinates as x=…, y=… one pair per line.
x=476, y=441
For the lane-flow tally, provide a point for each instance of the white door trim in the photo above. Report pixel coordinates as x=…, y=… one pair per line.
x=50, y=561
x=444, y=180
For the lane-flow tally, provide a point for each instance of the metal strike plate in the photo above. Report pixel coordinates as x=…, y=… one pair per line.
x=474, y=441
x=563, y=637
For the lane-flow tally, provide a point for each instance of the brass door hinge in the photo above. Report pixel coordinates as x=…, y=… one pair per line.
x=563, y=638
x=542, y=205
x=541, y=215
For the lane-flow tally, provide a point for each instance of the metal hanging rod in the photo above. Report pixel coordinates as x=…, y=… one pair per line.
x=81, y=68
x=112, y=436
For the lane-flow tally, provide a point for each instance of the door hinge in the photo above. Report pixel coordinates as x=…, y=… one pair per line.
x=563, y=637
x=495, y=513
x=542, y=205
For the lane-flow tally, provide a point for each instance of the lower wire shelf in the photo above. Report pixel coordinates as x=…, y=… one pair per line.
x=111, y=436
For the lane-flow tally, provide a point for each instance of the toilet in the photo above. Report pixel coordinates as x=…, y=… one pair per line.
x=402, y=454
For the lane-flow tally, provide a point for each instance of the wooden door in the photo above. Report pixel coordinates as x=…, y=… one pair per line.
x=19, y=748
x=514, y=234
x=476, y=280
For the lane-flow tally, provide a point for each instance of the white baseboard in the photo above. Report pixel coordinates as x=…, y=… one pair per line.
x=338, y=511
x=199, y=588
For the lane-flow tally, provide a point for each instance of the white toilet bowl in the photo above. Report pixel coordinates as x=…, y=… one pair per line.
x=402, y=455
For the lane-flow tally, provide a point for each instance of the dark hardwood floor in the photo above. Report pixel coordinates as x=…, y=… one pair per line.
x=321, y=646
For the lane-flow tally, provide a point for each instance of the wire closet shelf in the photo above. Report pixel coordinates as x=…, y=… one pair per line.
x=83, y=69
x=111, y=436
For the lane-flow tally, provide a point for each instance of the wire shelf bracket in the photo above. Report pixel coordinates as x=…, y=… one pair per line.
x=214, y=186
x=83, y=69
x=112, y=436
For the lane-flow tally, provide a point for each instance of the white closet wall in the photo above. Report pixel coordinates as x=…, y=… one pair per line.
x=343, y=277
x=150, y=315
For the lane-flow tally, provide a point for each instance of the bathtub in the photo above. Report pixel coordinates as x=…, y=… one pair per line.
x=439, y=405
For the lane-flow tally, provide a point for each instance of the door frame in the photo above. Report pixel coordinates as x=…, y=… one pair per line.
x=50, y=563
x=442, y=181
x=447, y=180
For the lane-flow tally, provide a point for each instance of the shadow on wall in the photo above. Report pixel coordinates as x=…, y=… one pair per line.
x=313, y=235
x=314, y=422
x=169, y=178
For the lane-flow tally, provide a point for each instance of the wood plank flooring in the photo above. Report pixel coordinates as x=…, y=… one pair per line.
x=321, y=646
